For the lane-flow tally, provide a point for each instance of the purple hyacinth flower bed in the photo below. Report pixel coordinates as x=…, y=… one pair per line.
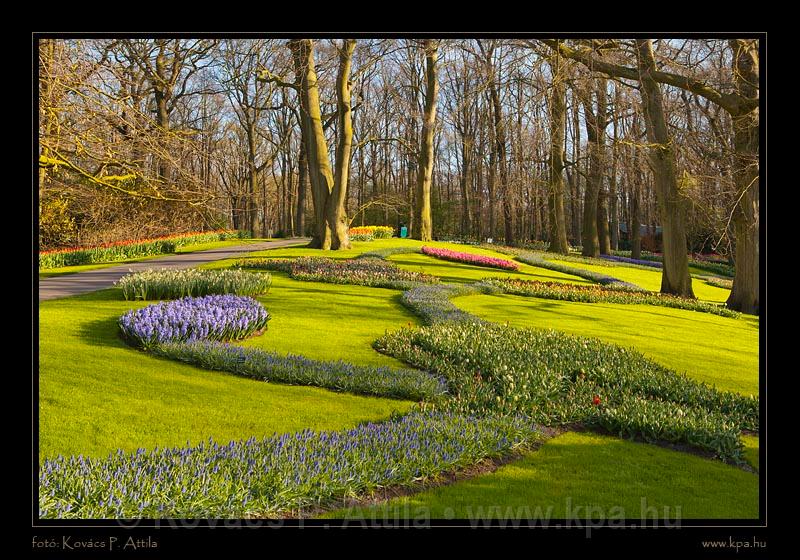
x=469, y=258
x=216, y=317
x=275, y=475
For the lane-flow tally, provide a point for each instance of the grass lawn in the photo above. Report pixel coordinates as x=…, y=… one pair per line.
x=61, y=271
x=651, y=280
x=585, y=475
x=96, y=394
x=718, y=350
x=304, y=312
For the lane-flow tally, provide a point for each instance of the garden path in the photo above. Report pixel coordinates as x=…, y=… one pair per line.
x=92, y=280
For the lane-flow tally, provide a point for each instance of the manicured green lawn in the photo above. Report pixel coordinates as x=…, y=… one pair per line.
x=751, y=450
x=330, y=321
x=651, y=280
x=718, y=350
x=97, y=394
x=585, y=475
x=50, y=272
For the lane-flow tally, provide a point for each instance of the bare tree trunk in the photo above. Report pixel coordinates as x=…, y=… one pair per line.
x=745, y=293
x=500, y=150
x=595, y=131
x=465, y=182
x=319, y=166
x=558, y=125
x=673, y=204
x=336, y=213
x=302, y=179
x=424, y=226
x=575, y=182
x=603, y=232
x=252, y=178
x=634, y=229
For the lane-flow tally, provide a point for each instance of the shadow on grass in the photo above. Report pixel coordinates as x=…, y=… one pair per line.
x=102, y=332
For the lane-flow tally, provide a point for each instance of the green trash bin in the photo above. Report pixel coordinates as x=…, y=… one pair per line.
x=403, y=232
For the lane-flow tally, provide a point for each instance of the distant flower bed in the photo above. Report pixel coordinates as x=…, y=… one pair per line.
x=362, y=272
x=217, y=317
x=373, y=232
x=555, y=378
x=595, y=294
x=469, y=258
x=276, y=475
x=714, y=264
x=541, y=260
x=171, y=284
x=717, y=282
x=122, y=250
x=641, y=262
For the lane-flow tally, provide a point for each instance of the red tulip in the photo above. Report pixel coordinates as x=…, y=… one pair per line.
x=596, y=400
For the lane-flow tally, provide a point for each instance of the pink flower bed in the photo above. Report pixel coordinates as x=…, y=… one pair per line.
x=469, y=258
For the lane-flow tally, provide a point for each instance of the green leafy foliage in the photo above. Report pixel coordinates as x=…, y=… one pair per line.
x=557, y=378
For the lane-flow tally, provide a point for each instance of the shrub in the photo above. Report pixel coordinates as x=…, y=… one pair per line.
x=123, y=250
x=189, y=319
x=258, y=364
x=469, y=258
x=595, y=294
x=557, y=378
x=275, y=475
x=56, y=224
x=171, y=284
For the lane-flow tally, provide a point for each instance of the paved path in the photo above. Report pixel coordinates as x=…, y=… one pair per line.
x=101, y=278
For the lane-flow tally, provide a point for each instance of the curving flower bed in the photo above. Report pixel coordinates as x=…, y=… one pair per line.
x=595, y=294
x=276, y=475
x=469, y=258
x=373, y=272
x=555, y=378
x=218, y=317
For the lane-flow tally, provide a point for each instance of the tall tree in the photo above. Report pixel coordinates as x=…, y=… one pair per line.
x=557, y=104
x=595, y=113
x=424, y=226
x=335, y=210
x=673, y=203
x=743, y=107
x=328, y=190
x=745, y=293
